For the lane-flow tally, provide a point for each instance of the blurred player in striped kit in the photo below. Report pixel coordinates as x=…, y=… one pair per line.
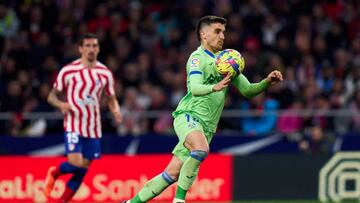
x=198, y=113
x=82, y=82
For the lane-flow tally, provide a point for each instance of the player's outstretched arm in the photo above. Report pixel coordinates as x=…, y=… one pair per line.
x=250, y=90
x=115, y=109
x=274, y=77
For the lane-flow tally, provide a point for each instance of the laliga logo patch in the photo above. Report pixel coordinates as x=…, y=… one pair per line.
x=195, y=62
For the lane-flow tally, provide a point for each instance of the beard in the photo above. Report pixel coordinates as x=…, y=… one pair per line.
x=91, y=57
x=218, y=47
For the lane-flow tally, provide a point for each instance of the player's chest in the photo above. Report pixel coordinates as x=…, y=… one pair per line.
x=86, y=79
x=211, y=76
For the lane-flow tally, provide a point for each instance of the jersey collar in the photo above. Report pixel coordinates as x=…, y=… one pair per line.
x=209, y=53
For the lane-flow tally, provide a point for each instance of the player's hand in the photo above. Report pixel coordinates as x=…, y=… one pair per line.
x=118, y=117
x=224, y=83
x=64, y=107
x=274, y=77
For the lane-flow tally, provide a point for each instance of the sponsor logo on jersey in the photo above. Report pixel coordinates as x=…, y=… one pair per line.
x=88, y=100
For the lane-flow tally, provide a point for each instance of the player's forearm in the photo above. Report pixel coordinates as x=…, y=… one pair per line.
x=113, y=105
x=248, y=89
x=200, y=90
x=197, y=88
x=53, y=99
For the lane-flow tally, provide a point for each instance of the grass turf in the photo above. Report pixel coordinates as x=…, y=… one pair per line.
x=287, y=201
x=275, y=201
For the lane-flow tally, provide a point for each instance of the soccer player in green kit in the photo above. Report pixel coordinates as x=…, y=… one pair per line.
x=199, y=111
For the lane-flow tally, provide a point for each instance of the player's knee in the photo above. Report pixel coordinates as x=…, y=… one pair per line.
x=76, y=163
x=199, y=155
x=170, y=178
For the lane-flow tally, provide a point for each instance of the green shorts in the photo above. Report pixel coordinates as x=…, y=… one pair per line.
x=183, y=125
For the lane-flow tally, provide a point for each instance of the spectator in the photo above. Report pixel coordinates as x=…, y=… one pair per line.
x=146, y=44
x=355, y=108
x=131, y=110
x=9, y=23
x=265, y=119
x=316, y=141
x=289, y=121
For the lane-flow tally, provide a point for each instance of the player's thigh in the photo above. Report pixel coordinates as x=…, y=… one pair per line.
x=87, y=162
x=196, y=140
x=75, y=159
x=73, y=148
x=174, y=166
x=91, y=148
x=184, y=124
x=81, y=151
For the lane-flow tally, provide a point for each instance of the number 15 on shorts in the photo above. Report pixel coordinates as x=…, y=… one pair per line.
x=72, y=140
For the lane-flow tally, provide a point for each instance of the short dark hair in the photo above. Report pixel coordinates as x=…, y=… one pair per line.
x=208, y=20
x=87, y=36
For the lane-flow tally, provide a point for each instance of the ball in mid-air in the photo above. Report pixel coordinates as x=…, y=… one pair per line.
x=230, y=61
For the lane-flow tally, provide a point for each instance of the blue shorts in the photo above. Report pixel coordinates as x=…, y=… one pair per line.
x=89, y=147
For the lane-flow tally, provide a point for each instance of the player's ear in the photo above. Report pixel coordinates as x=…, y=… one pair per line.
x=80, y=49
x=202, y=34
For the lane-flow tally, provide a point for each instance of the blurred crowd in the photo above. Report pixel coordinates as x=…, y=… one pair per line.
x=316, y=44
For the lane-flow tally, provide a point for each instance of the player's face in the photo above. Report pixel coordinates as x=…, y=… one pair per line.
x=214, y=36
x=90, y=49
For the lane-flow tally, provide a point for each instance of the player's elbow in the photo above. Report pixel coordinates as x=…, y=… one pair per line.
x=49, y=98
x=195, y=93
x=198, y=93
x=247, y=95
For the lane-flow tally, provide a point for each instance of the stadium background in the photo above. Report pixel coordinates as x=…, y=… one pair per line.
x=275, y=144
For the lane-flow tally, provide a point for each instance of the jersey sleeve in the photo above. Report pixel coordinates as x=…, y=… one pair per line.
x=61, y=83
x=195, y=72
x=109, y=87
x=249, y=89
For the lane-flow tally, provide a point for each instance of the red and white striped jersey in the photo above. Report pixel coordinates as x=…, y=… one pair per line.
x=83, y=87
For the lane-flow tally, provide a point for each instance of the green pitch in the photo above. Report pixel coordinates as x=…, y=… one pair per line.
x=288, y=201
x=274, y=201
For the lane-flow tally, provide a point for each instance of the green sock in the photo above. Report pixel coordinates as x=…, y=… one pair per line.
x=136, y=199
x=152, y=188
x=180, y=193
x=188, y=173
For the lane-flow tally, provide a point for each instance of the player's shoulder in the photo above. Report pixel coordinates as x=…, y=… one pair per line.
x=100, y=65
x=103, y=69
x=74, y=65
x=195, y=59
x=198, y=53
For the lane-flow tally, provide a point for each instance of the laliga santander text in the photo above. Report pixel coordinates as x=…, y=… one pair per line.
x=102, y=184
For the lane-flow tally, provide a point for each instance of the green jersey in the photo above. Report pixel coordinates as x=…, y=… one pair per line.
x=200, y=101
